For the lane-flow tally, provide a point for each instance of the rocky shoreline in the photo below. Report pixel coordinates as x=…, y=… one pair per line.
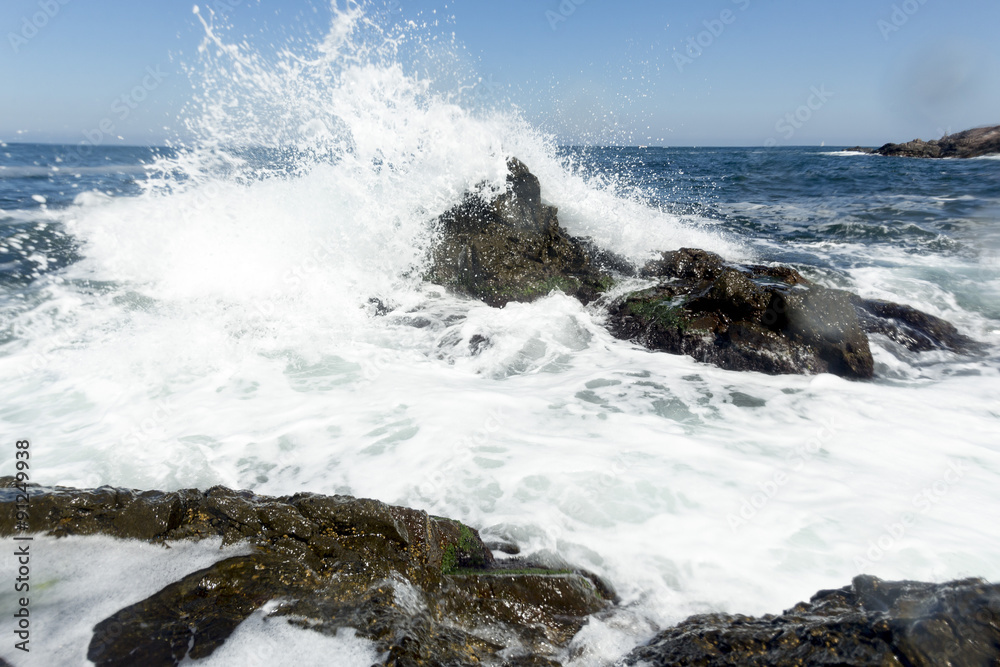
x=976, y=142
x=769, y=319
x=427, y=591
x=335, y=562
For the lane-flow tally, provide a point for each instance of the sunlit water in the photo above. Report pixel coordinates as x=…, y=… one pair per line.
x=177, y=318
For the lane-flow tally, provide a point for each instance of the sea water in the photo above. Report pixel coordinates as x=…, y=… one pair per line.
x=203, y=314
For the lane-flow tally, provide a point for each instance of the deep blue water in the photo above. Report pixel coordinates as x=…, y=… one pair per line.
x=779, y=195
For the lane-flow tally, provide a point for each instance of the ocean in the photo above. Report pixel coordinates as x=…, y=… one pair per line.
x=200, y=315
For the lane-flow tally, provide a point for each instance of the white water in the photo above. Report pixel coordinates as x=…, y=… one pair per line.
x=218, y=332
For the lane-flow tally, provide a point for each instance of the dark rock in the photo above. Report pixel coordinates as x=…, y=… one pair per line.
x=744, y=318
x=512, y=248
x=377, y=307
x=336, y=561
x=870, y=622
x=478, y=343
x=912, y=328
x=860, y=149
x=685, y=264
x=970, y=143
x=195, y=615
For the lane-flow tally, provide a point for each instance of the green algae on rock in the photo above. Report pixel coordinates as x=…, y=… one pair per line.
x=768, y=319
x=335, y=562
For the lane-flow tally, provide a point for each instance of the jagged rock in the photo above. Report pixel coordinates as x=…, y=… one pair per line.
x=746, y=318
x=970, y=143
x=336, y=561
x=870, y=622
x=428, y=592
x=756, y=318
x=512, y=248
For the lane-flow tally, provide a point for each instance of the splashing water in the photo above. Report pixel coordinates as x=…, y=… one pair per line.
x=218, y=329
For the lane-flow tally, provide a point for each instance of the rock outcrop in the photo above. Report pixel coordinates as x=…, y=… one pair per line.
x=512, y=248
x=870, y=622
x=756, y=318
x=970, y=143
x=425, y=589
x=428, y=592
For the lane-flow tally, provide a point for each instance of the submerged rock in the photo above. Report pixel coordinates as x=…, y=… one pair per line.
x=870, y=622
x=425, y=589
x=745, y=318
x=970, y=143
x=915, y=330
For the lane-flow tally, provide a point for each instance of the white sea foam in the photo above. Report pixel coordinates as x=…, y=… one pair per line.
x=77, y=582
x=219, y=331
x=847, y=153
x=261, y=641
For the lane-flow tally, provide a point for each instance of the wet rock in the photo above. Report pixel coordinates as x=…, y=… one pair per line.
x=425, y=589
x=744, y=318
x=870, y=622
x=970, y=143
x=195, y=615
x=512, y=248
x=860, y=149
x=479, y=343
x=916, y=330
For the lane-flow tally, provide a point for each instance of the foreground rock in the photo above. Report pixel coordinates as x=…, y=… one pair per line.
x=870, y=622
x=970, y=143
x=426, y=590
x=747, y=318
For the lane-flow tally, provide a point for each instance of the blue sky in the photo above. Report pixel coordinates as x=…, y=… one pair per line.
x=667, y=72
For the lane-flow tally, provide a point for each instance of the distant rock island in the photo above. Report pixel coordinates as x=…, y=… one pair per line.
x=971, y=143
